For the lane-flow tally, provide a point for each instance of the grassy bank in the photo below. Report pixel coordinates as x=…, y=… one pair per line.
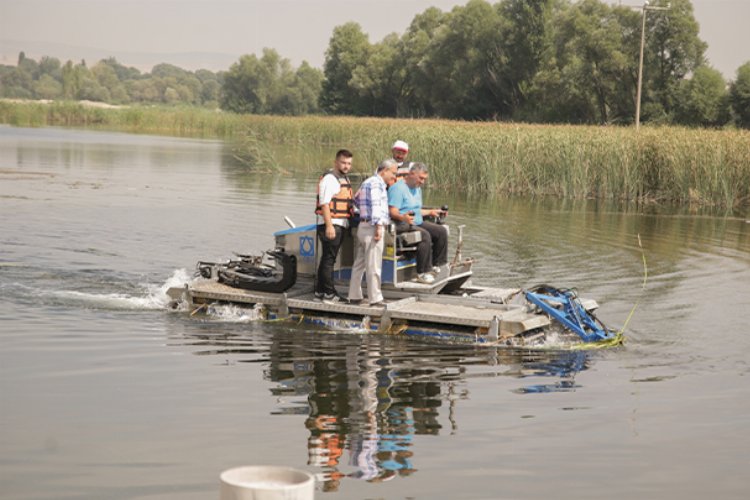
x=670, y=164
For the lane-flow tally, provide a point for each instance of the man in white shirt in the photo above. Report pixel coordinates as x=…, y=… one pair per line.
x=334, y=207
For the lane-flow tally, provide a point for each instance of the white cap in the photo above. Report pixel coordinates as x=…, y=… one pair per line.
x=400, y=145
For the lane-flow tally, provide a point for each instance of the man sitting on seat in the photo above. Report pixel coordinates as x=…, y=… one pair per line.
x=405, y=206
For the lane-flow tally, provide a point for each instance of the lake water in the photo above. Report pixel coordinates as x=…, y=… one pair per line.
x=107, y=394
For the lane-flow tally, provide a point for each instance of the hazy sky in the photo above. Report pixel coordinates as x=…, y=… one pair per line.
x=144, y=32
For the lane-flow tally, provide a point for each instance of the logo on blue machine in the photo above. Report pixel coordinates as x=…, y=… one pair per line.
x=306, y=246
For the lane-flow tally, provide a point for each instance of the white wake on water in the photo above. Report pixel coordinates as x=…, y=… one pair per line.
x=235, y=314
x=154, y=298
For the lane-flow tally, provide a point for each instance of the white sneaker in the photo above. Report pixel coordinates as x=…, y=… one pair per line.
x=426, y=278
x=332, y=298
x=436, y=269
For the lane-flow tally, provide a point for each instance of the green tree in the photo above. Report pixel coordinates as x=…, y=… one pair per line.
x=526, y=38
x=85, y=84
x=171, y=96
x=309, y=82
x=464, y=62
x=107, y=77
x=414, y=95
x=50, y=66
x=210, y=87
x=703, y=99
x=278, y=78
x=145, y=90
x=739, y=96
x=17, y=83
x=165, y=70
x=246, y=86
x=347, y=50
x=210, y=92
x=270, y=85
x=47, y=88
x=380, y=81
x=123, y=73
x=71, y=80
x=673, y=51
x=586, y=75
x=5, y=71
x=28, y=66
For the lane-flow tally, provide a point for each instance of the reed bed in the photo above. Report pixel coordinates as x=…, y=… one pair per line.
x=655, y=164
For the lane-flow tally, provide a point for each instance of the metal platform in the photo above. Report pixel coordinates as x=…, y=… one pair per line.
x=476, y=312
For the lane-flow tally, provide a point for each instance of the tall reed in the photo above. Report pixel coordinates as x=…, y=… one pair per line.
x=674, y=164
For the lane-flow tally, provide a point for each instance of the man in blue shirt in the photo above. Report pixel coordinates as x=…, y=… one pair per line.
x=372, y=201
x=405, y=205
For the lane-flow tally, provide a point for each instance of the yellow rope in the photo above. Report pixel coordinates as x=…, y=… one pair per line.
x=643, y=288
x=619, y=338
x=195, y=311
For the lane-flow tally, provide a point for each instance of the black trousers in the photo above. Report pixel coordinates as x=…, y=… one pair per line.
x=329, y=249
x=433, y=249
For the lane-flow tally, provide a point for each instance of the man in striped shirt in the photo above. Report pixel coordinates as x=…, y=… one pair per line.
x=372, y=201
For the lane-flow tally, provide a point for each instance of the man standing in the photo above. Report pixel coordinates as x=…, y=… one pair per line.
x=372, y=201
x=334, y=210
x=405, y=206
x=400, y=149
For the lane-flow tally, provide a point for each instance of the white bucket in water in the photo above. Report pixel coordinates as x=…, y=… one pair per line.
x=266, y=482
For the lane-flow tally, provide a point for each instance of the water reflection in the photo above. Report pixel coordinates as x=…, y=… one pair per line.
x=367, y=397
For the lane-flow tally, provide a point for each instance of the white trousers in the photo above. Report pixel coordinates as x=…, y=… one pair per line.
x=369, y=261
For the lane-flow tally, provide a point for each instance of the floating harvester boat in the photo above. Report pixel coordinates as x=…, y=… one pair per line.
x=280, y=285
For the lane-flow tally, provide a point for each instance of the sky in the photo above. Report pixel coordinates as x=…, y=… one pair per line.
x=213, y=34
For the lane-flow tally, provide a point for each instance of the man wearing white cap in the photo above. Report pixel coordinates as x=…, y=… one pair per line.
x=400, y=149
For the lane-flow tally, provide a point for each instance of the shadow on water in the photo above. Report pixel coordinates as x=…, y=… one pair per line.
x=365, y=397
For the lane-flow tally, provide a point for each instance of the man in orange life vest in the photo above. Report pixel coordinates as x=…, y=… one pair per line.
x=334, y=208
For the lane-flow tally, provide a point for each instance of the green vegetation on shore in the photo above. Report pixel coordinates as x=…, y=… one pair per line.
x=530, y=61
x=662, y=164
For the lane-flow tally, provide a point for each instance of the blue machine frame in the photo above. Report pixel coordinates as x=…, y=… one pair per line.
x=564, y=306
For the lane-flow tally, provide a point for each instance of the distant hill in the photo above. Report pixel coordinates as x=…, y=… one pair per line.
x=191, y=61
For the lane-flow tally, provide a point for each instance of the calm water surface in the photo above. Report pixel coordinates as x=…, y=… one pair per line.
x=106, y=394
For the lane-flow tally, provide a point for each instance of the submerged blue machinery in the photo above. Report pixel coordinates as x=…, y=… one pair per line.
x=565, y=307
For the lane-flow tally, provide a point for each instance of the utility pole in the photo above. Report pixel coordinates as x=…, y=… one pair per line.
x=646, y=7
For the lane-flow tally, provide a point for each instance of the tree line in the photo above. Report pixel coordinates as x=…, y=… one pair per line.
x=549, y=61
x=108, y=81
x=535, y=61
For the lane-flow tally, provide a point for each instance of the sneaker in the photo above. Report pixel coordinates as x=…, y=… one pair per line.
x=332, y=298
x=426, y=278
x=380, y=303
x=436, y=270
x=354, y=302
x=318, y=296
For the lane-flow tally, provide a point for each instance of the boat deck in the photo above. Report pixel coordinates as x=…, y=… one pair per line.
x=477, y=310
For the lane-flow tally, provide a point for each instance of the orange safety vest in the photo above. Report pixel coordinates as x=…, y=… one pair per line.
x=342, y=203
